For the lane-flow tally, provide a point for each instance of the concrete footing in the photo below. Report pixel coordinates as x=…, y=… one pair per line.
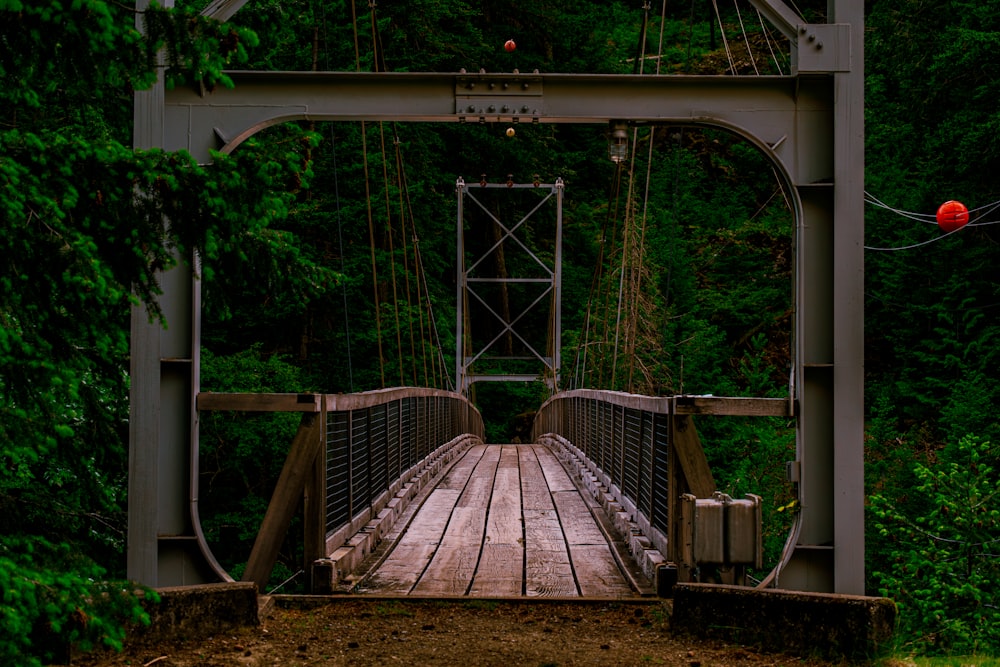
x=196, y=612
x=842, y=627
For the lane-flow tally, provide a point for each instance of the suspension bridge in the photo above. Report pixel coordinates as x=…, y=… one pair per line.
x=613, y=497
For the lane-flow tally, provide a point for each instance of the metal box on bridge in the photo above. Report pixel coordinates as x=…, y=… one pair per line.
x=721, y=531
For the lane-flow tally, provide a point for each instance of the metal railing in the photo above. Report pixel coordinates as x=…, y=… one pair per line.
x=375, y=438
x=625, y=438
x=350, y=453
x=645, y=452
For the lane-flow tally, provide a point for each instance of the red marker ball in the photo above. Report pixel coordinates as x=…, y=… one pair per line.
x=510, y=45
x=952, y=215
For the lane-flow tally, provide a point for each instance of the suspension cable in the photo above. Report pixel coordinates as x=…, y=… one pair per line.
x=746, y=40
x=767, y=38
x=368, y=211
x=401, y=180
x=722, y=32
x=340, y=231
x=343, y=271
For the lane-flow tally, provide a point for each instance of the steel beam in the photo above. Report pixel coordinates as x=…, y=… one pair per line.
x=767, y=110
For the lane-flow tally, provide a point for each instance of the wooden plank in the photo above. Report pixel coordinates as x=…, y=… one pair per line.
x=479, y=488
x=691, y=457
x=284, y=501
x=431, y=519
x=734, y=406
x=208, y=400
x=505, y=525
x=501, y=565
x=399, y=572
x=466, y=527
x=534, y=491
x=555, y=474
x=454, y=563
x=500, y=572
x=458, y=476
x=578, y=523
x=547, y=568
x=597, y=571
x=542, y=531
x=450, y=571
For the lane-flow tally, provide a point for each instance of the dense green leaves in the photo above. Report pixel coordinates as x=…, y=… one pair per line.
x=327, y=259
x=942, y=551
x=88, y=224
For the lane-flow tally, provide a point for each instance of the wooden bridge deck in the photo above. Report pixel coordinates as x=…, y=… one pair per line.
x=505, y=521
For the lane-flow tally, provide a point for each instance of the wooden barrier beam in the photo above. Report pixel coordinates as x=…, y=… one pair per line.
x=259, y=402
x=732, y=406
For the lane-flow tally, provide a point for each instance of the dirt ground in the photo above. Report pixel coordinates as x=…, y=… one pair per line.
x=469, y=633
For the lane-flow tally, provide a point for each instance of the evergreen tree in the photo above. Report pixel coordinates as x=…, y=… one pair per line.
x=88, y=223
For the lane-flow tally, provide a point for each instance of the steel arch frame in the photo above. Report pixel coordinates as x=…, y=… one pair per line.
x=810, y=124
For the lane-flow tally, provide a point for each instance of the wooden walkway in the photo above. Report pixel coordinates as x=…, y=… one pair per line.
x=505, y=521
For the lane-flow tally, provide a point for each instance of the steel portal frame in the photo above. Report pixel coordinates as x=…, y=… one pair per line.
x=811, y=126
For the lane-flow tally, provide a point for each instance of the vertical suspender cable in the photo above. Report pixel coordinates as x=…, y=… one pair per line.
x=725, y=42
x=746, y=40
x=368, y=210
x=340, y=232
x=377, y=53
x=403, y=210
x=340, y=244
x=628, y=235
x=634, y=302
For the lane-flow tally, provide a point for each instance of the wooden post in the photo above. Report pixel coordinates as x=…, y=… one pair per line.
x=287, y=493
x=691, y=457
x=691, y=476
x=314, y=513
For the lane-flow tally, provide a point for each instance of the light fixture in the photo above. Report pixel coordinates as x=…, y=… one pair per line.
x=618, y=142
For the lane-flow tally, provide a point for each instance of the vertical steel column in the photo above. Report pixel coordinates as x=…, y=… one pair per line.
x=848, y=299
x=827, y=546
x=557, y=291
x=460, y=291
x=165, y=543
x=144, y=371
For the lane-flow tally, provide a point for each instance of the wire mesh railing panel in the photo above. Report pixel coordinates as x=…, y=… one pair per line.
x=593, y=425
x=372, y=443
x=615, y=446
x=422, y=435
x=607, y=435
x=627, y=438
x=407, y=430
x=338, y=465
x=379, y=450
x=659, y=515
x=394, y=444
x=631, y=444
x=644, y=478
x=360, y=460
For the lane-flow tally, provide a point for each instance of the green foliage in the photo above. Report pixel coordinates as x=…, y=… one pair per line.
x=52, y=599
x=943, y=552
x=88, y=224
x=241, y=457
x=291, y=300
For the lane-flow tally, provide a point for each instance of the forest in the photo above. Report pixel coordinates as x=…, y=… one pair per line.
x=327, y=261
